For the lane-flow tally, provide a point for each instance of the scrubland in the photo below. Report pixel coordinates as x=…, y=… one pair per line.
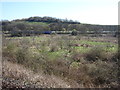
x=60, y=61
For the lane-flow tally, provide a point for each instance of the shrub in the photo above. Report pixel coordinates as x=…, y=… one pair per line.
x=54, y=48
x=74, y=33
x=79, y=74
x=115, y=57
x=10, y=48
x=21, y=56
x=77, y=57
x=95, y=54
x=102, y=72
x=57, y=67
x=9, y=51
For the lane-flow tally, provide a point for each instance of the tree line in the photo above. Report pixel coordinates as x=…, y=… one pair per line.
x=38, y=25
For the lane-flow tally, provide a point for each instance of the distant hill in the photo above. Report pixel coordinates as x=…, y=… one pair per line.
x=40, y=24
x=48, y=20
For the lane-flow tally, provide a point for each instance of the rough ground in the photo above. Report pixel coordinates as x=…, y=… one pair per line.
x=17, y=76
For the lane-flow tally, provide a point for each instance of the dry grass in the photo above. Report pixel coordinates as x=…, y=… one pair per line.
x=17, y=76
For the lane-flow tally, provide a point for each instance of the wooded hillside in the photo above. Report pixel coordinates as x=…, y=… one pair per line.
x=38, y=25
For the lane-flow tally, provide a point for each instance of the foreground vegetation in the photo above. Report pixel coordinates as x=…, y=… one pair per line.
x=80, y=61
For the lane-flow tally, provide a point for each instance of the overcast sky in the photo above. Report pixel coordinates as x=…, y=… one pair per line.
x=104, y=12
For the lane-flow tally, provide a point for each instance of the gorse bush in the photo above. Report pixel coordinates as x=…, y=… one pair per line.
x=95, y=54
x=54, y=47
x=10, y=48
x=115, y=57
x=74, y=32
x=22, y=56
x=56, y=67
x=97, y=73
x=9, y=51
x=102, y=72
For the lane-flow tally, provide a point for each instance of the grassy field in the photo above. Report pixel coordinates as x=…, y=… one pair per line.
x=78, y=61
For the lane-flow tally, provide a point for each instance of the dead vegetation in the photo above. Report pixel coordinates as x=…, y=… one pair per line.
x=17, y=76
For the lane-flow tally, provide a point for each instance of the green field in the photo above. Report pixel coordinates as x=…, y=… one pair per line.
x=84, y=45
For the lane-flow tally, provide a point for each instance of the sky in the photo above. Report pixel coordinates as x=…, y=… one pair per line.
x=103, y=12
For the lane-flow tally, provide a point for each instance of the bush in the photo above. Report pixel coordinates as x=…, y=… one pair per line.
x=115, y=57
x=103, y=72
x=22, y=56
x=54, y=48
x=57, y=67
x=74, y=33
x=9, y=51
x=79, y=74
x=95, y=54
x=99, y=73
